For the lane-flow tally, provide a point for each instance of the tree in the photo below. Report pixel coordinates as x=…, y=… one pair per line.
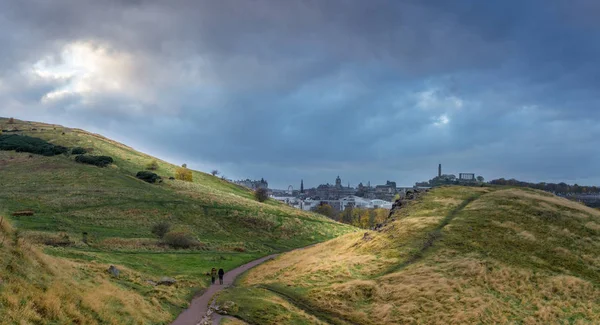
x=184, y=174
x=184, y=165
x=326, y=210
x=347, y=215
x=261, y=194
x=480, y=179
x=214, y=172
x=381, y=215
x=153, y=165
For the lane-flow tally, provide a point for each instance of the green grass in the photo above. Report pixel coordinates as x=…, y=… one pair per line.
x=117, y=210
x=186, y=264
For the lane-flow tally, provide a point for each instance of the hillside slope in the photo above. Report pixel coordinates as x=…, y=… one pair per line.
x=116, y=211
x=457, y=255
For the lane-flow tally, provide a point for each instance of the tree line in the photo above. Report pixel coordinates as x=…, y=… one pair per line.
x=358, y=217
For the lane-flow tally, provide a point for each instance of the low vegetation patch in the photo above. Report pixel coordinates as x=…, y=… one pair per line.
x=100, y=161
x=180, y=239
x=161, y=229
x=78, y=151
x=147, y=176
x=23, y=213
x=50, y=239
x=23, y=143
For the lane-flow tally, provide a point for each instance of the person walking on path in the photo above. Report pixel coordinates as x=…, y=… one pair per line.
x=213, y=275
x=221, y=273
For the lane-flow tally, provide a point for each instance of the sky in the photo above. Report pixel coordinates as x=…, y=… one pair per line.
x=291, y=90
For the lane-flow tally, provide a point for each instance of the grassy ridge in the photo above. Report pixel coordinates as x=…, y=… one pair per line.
x=117, y=211
x=36, y=288
x=499, y=255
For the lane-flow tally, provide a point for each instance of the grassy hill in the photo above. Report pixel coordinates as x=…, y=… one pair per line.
x=457, y=255
x=117, y=211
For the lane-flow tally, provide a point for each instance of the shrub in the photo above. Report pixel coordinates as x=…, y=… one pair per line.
x=326, y=210
x=153, y=165
x=180, y=239
x=184, y=174
x=261, y=194
x=11, y=121
x=78, y=151
x=23, y=143
x=161, y=229
x=62, y=240
x=100, y=161
x=147, y=176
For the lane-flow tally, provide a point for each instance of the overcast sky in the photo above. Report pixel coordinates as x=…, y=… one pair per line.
x=290, y=90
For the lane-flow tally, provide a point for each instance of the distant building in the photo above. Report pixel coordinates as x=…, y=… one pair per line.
x=253, y=185
x=353, y=201
x=359, y=202
x=466, y=176
x=333, y=192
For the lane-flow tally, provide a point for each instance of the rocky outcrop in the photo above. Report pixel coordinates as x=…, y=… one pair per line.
x=399, y=204
x=114, y=271
x=409, y=196
x=166, y=281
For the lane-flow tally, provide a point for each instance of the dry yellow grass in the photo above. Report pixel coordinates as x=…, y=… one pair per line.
x=512, y=256
x=36, y=288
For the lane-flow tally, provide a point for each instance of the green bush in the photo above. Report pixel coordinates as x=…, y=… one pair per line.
x=161, y=229
x=146, y=176
x=184, y=174
x=180, y=239
x=100, y=161
x=261, y=194
x=153, y=165
x=23, y=143
x=78, y=151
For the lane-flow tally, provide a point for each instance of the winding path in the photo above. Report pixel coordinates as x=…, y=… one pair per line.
x=200, y=304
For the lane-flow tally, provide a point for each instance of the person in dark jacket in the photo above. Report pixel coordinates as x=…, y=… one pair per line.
x=221, y=273
x=213, y=275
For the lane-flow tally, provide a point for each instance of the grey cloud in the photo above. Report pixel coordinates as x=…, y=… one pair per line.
x=310, y=89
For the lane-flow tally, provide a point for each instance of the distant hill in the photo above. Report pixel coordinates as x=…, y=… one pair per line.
x=87, y=217
x=456, y=255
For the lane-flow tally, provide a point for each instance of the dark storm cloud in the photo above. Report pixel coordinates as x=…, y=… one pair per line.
x=370, y=90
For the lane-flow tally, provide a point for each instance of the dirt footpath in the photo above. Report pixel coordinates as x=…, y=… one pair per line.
x=199, y=306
